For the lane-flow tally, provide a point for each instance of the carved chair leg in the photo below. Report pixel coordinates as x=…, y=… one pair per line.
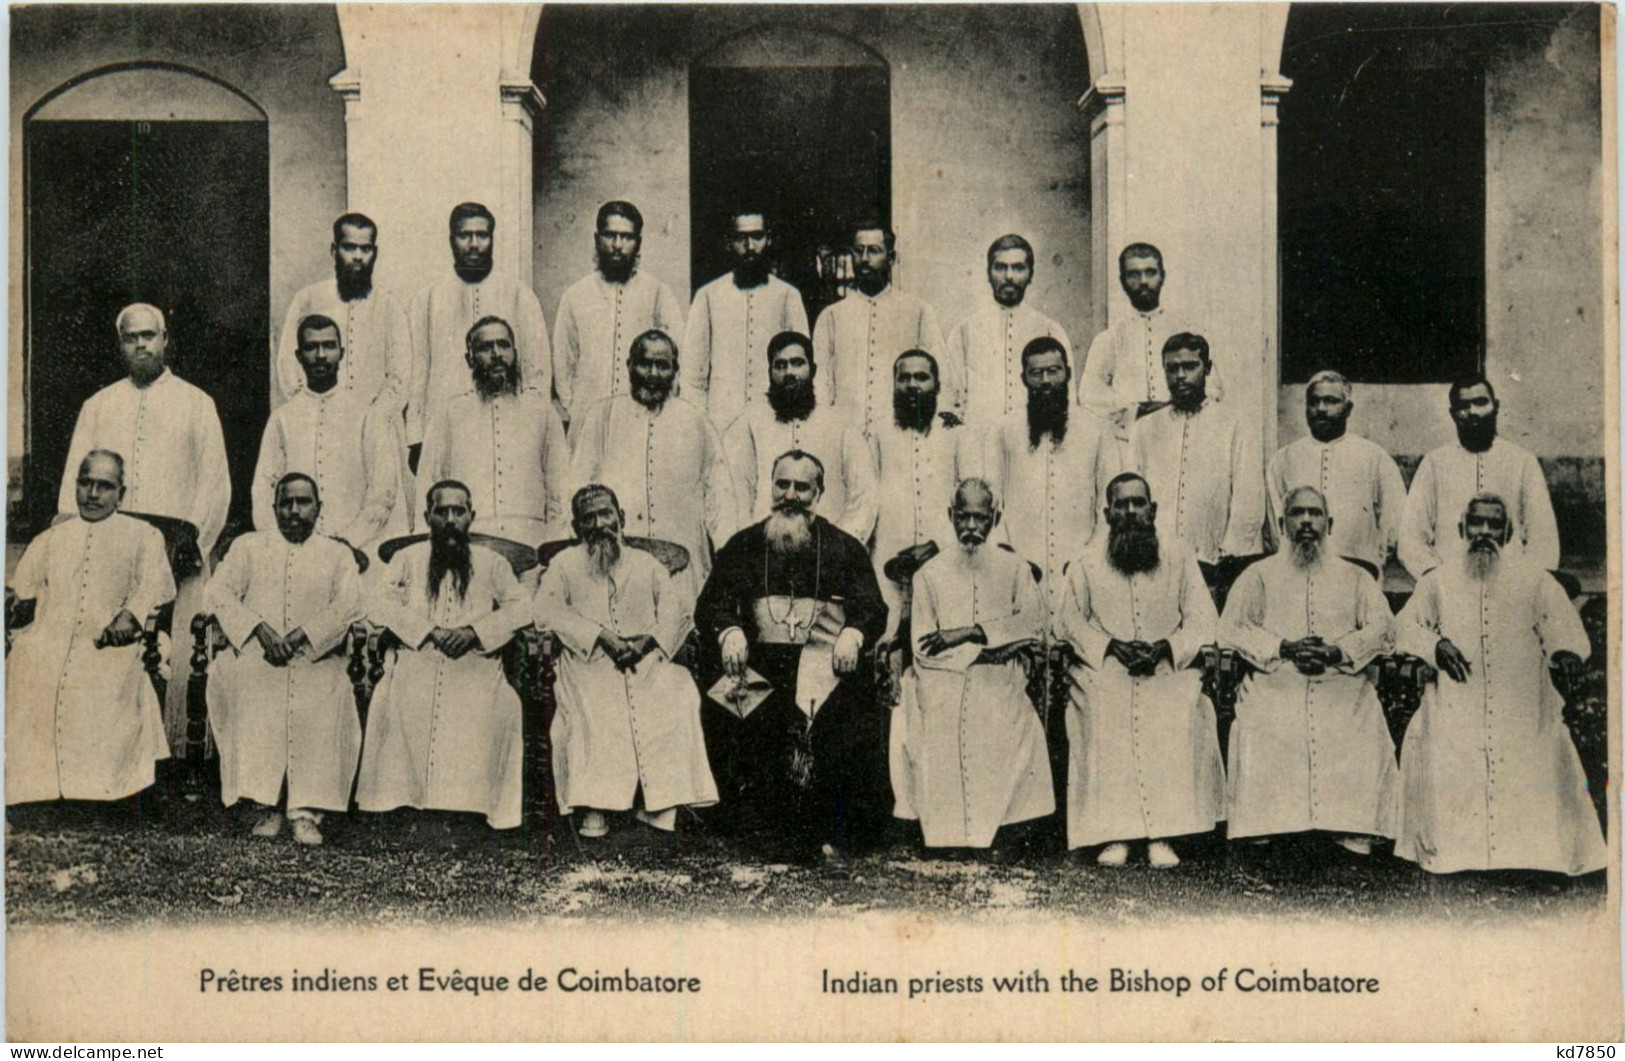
x=197, y=711
x=357, y=670
x=152, y=659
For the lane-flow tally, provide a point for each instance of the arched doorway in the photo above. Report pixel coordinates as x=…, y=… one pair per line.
x=144, y=182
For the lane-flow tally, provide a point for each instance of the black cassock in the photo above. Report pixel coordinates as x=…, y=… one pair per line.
x=823, y=782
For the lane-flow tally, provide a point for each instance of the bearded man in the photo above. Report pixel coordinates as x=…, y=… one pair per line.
x=1310, y=748
x=1479, y=462
x=990, y=341
x=1144, y=747
x=280, y=701
x=443, y=732
x=1491, y=777
x=627, y=732
x=793, y=600
x=967, y=750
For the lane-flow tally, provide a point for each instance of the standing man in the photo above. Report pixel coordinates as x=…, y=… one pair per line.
x=794, y=417
x=794, y=600
x=968, y=752
x=1310, y=748
x=444, y=729
x=601, y=313
x=441, y=314
x=1145, y=751
x=857, y=338
x=731, y=321
x=503, y=440
x=1478, y=463
x=280, y=702
x=1491, y=777
x=990, y=341
x=82, y=720
x=1357, y=477
x=347, y=444
x=663, y=456
x=627, y=733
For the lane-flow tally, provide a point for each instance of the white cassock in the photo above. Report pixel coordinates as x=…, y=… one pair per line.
x=668, y=471
x=989, y=344
x=856, y=343
x=1449, y=477
x=918, y=474
x=617, y=732
x=440, y=316
x=510, y=451
x=1144, y=758
x=84, y=722
x=1365, y=494
x=593, y=333
x=348, y=446
x=758, y=438
x=1124, y=365
x=295, y=723
x=1309, y=751
x=967, y=750
x=1052, y=495
x=443, y=733
x=174, y=453
x=724, y=355
x=377, y=344
x=1490, y=775
x=1206, y=477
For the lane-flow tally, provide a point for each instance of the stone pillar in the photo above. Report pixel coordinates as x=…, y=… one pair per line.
x=439, y=109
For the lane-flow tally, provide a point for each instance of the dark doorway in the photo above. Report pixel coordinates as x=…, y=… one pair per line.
x=809, y=144
x=175, y=213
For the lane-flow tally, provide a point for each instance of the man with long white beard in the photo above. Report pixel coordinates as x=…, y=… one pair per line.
x=601, y=313
x=1310, y=748
x=1478, y=462
x=663, y=456
x=280, y=702
x=989, y=342
x=82, y=720
x=627, y=733
x=793, y=600
x=794, y=417
x=1145, y=751
x=967, y=751
x=443, y=732
x=1491, y=778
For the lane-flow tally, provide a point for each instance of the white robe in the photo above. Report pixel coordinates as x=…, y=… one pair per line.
x=989, y=344
x=1144, y=750
x=1206, y=477
x=298, y=722
x=174, y=453
x=347, y=445
x=84, y=722
x=1490, y=775
x=616, y=732
x=593, y=333
x=967, y=751
x=1124, y=365
x=1449, y=477
x=1365, y=494
x=1309, y=751
x=443, y=733
x=856, y=343
x=510, y=451
x=918, y=474
x=758, y=438
x=668, y=471
x=724, y=355
x=440, y=316
x=377, y=344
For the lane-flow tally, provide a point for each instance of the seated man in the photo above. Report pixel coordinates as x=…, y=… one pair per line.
x=443, y=732
x=82, y=720
x=1310, y=748
x=968, y=753
x=280, y=701
x=628, y=721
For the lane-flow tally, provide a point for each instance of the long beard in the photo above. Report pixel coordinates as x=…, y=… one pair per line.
x=617, y=272
x=1305, y=552
x=1482, y=563
x=1131, y=548
x=449, y=553
x=353, y=285
x=789, y=534
x=604, y=550
x=914, y=412
x=751, y=272
x=792, y=399
x=1477, y=434
x=1046, y=415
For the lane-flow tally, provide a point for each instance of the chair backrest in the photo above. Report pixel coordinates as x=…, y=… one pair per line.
x=520, y=557
x=672, y=556
x=180, y=542
x=360, y=558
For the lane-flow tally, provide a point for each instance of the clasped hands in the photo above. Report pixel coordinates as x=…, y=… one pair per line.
x=626, y=652
x=453, y=642
x=844, y=660
x=280, y=650
x=1311, y=655
x=1140, y=658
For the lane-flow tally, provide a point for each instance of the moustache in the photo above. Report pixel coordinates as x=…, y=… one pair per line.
x=1306, y=534
x=1483, y=544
